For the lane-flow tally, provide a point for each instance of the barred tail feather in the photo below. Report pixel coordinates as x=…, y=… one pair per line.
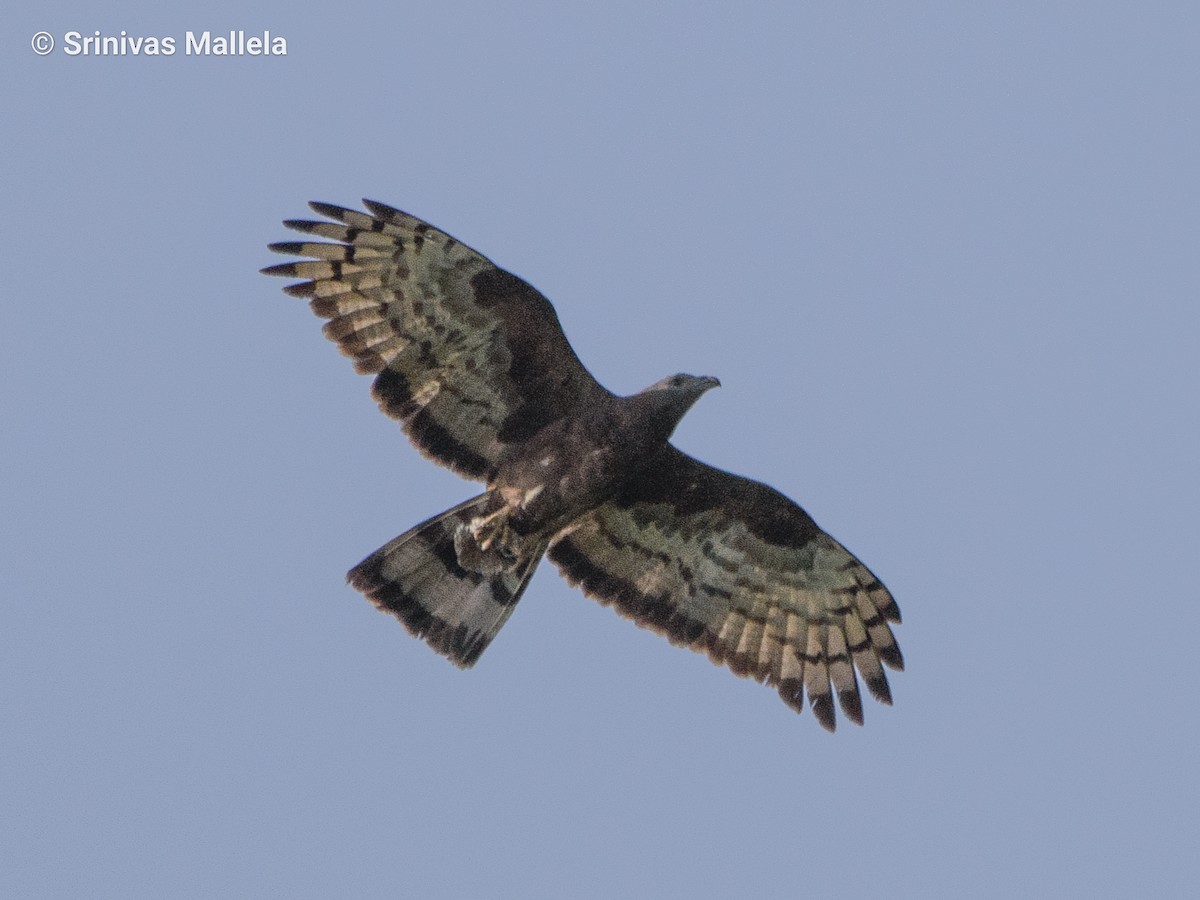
x=418, y=579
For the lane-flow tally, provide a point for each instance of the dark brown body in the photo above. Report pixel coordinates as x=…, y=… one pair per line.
x=572, y=465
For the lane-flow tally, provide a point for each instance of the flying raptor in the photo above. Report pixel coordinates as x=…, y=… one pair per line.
x=473, y=363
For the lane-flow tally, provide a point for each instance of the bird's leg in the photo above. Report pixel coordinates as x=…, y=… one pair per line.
x=480, y=524
x=487, y=544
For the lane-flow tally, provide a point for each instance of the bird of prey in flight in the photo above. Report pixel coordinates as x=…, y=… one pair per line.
x=473, y=363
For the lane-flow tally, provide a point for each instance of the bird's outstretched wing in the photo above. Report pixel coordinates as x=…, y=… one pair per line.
x=468, y=357
x=731, y=567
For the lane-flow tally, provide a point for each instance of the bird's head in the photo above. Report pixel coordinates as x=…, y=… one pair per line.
x=666, y=401
x=686, y=385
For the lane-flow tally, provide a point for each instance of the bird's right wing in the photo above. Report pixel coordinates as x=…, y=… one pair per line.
x=469, y=357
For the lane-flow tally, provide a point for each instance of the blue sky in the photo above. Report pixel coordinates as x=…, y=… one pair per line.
x=942, y=257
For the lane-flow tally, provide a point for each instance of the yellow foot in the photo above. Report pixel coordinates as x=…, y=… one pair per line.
x=480, y=525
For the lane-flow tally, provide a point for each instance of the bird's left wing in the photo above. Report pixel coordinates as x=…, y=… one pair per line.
x=731, y=567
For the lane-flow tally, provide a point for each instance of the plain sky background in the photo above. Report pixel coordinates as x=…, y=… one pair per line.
x=944, y=258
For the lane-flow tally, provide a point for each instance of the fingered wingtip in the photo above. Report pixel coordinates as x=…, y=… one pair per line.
x=822, y=708
x=877, y=684
x=305, y=225
x=292, y=248
x=332, y=210
x=852, y=707
x=381, y=210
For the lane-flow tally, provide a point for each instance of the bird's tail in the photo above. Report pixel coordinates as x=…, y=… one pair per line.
x=419, y=578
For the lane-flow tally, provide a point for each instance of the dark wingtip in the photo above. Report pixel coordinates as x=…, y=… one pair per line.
x=332, y=210
x=295, y=248
x=306, y=225
x=879, y=688
x=792, y=693
x=381, y=210
x=851, y=704
x=286, y=270
x=892, y=658
x=303, y=289
x=822, y=707
x=891, y=611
